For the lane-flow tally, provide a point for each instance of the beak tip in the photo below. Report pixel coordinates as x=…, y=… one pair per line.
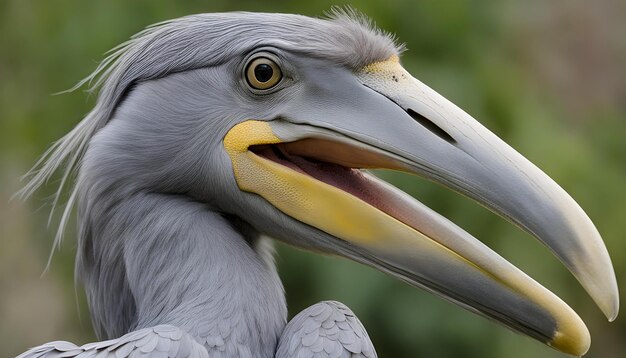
x=612, y=311
x=607, y=298
x=572, y=340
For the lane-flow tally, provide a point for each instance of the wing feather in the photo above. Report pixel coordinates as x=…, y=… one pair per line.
x=162, y=341
x=326, y=329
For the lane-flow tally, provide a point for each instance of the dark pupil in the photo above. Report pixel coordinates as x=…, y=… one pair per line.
x=263, y=72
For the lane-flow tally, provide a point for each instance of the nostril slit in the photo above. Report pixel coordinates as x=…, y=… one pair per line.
x=435, y=129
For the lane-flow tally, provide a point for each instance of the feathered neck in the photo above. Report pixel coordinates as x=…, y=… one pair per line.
x=149, y=259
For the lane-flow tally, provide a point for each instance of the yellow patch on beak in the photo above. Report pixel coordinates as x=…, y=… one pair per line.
x=241, y=137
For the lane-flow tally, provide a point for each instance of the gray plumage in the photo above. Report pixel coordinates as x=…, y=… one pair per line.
x=161, y=341
x=326, y=329
x=157, y=242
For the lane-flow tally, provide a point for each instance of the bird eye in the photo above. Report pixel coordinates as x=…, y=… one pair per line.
x=263, y=73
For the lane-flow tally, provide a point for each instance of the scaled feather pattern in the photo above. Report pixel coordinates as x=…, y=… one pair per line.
x=163, y=341
x=326, y=329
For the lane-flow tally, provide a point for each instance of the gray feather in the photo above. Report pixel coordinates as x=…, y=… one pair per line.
x=159, y=341
x=326, y=329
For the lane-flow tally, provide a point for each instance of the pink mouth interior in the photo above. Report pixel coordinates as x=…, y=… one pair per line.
x=350, y=180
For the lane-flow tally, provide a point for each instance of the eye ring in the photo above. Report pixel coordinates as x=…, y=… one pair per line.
x=263, y=73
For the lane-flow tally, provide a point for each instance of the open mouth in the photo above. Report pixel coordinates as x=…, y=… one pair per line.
x=342, y=166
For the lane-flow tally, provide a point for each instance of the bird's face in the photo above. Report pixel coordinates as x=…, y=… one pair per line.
x=282, y=140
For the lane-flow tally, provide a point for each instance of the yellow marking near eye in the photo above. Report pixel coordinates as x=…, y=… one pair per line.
x=381, y=66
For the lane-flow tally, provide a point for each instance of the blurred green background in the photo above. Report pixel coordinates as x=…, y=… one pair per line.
x=548, y=77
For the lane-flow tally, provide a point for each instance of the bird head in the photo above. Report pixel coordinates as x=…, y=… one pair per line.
x=275, y=119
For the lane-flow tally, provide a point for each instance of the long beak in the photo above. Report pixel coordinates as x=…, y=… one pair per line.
x=306, y=165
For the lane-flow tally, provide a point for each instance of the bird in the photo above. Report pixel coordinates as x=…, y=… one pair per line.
x=215, y=134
